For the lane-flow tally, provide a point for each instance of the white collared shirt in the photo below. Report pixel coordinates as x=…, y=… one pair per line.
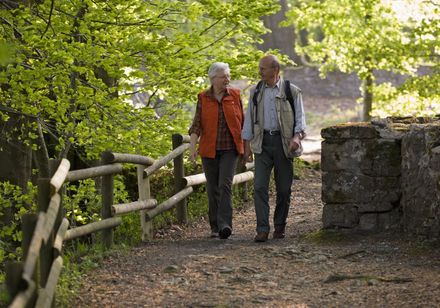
x=270, y=112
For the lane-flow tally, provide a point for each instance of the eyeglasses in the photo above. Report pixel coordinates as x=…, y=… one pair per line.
x=223, y=77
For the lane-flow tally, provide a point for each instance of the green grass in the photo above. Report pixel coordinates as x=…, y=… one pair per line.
x=325, y=236
x=79, y=259
x=4, y=295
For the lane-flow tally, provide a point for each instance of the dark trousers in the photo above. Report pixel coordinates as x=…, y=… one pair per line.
x=272, y=157
x=219, y=172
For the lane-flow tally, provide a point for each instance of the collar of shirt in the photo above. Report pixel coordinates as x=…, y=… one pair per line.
x=210, y=92
x=277, y=85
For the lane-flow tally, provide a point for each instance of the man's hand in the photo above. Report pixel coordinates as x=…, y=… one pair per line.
x=294, y=143
x=247, y=156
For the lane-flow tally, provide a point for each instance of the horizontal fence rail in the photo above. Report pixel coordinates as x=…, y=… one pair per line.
x=48, y=230
x=93, y=172
x=127, y=158
x=165, y=160
x=170, y=203
x=119, y=209
x=93, y=227
x=200, y=178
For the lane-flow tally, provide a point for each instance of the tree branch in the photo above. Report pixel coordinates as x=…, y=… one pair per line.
x=212, y=25
x=216, y=41
x=42, y=156
x=52, y=3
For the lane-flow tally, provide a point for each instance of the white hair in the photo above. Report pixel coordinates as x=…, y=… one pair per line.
x=216, y=67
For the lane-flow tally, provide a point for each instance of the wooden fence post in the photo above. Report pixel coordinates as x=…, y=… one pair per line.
x=46, y=251
x=144, y=194
x=243, y=187
x=179, y=173
x=107, y=202
x=46, y=257
x=14, y=270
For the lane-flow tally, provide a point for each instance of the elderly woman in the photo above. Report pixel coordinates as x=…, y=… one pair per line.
x=217, y=123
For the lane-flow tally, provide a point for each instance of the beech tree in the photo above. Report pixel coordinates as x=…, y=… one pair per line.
x=77, y=66
x=364, y=36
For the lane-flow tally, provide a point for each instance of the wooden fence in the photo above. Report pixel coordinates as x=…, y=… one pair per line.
x=32, y=283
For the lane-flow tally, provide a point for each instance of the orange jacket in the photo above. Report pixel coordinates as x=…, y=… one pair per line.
x=233, y=112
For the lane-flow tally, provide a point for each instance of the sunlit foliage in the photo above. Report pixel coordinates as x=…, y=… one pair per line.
x=368, y=35
x=75, y=63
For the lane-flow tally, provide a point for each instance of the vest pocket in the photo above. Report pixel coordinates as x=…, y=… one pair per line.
x=287, y=129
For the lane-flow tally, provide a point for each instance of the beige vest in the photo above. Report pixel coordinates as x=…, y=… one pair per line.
x=285, y=118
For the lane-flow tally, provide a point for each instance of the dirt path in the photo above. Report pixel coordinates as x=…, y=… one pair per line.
x=309, y=268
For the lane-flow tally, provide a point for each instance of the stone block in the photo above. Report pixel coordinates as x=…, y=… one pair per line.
x=389, y=220
x=368, y=222
x=367, y=156
x=378, y=207
x=350, y=130
x=385, y=158
x=344, y=154
x=340, y=215
x=346, y=187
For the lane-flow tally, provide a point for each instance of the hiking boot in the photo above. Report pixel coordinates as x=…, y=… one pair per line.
x=225, y=233
x=261, y=236
x=279, y=232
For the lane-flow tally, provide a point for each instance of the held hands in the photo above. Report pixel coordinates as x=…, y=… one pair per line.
x=247, y=156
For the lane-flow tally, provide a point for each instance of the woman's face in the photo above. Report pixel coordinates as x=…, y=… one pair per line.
x=221, y=80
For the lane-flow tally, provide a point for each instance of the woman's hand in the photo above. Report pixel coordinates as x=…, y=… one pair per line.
x=193, y=147
x=193, y=154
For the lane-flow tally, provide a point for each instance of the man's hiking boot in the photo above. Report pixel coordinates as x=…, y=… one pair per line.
x=261, y=237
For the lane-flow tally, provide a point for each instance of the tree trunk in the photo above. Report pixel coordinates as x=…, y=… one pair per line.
x=280, y=38
x=15, y=159
x=367, y=89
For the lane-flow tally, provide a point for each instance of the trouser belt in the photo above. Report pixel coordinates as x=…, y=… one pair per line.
x=271, y=132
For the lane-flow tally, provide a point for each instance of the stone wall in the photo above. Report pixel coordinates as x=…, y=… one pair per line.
x=421, y=180
x=382, y=175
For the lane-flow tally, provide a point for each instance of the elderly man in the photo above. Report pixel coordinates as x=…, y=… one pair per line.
x=272, y=131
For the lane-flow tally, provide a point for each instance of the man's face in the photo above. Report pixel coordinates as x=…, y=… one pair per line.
x=267, y=71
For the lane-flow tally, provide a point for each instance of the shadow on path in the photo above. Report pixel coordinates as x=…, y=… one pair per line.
x=309, y=268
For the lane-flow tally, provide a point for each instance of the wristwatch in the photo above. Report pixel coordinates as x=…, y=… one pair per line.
x=301, y=135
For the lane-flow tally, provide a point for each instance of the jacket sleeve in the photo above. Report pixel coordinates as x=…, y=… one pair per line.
x=196, y=126
x=300, y=118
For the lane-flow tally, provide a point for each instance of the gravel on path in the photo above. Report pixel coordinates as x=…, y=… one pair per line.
x=311, y=267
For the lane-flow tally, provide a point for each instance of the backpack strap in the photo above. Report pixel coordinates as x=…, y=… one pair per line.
x=289, y=97
x=257, y=92
x=255, y=99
